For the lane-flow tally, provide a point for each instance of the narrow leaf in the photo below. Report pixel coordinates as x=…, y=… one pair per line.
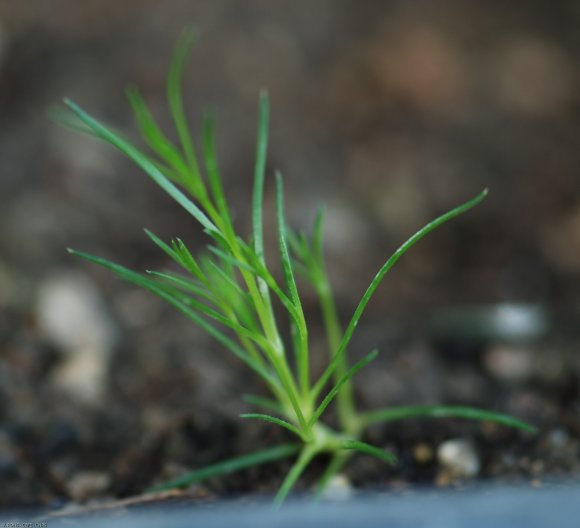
x=188, y=260
x=261, y=271
x=274, y=420
x=152, y=134
x=343, y=379
x=185, y=284
x=213, y=174
x=175, y=97
x=363, y=447
x=68, y=119
x=317, y=234
x=261, y=401
x=153, y=287
x=231, y=260
x=145, y=163
x=443, y=411
x=301, y=343
x=259, y=176
x=305, y=457
x=381, y=274
x=171, y=253
x=282, y=239
x=229, y=466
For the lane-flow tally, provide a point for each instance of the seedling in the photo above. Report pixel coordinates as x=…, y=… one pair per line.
x=231, y=292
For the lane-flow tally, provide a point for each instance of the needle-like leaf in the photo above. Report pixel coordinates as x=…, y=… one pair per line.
x=185, y=285
x=265, y=403
x=392, y=414
x=346, y=377
x=145, y=163
x=230, y=466
x=277, y=421
x=363, y=447
x=143, y=282
x=380, y=276
x=259, y=176
x=153, y=135
x=300, y=322
x=175, y=98
x=213, y=174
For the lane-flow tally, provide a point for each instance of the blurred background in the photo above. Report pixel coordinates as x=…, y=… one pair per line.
x=387, y=112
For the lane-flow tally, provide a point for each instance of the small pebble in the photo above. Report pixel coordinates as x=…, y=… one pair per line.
x=72, y=316
x=423, y=453
x=538, y=467
x=509, y=363
x=338, y=489
x=443, y=479
x=399, y=485
x=71, y=313
x=459, y=457
x=86, y=484
x=558, y=438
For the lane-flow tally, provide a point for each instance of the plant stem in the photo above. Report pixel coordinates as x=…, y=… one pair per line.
x=306, y=455
x=345, y=398
x=335, y=465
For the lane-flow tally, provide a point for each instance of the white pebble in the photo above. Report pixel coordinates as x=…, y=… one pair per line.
x=86, y=484
x=510, y=363
x=339, y=489
x=72, y=316
x=459, y=457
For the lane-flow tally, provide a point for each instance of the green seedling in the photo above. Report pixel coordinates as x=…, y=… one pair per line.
x=231, y=293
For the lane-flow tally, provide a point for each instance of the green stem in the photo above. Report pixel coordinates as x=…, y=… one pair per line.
x=306, y=455
x=335, y=465
x=275, y=352
x=345, y=398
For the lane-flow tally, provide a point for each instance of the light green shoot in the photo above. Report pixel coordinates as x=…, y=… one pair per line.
x=229, y=292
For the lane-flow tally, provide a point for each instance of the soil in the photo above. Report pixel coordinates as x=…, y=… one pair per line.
x=104, y=391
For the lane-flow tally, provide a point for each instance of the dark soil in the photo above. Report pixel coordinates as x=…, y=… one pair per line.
x=389, y=115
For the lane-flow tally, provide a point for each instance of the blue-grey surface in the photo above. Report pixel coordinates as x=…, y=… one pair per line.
x=502, y=507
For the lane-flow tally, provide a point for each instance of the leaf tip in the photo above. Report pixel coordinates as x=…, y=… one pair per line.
x=70, y=104
x=279, y=179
